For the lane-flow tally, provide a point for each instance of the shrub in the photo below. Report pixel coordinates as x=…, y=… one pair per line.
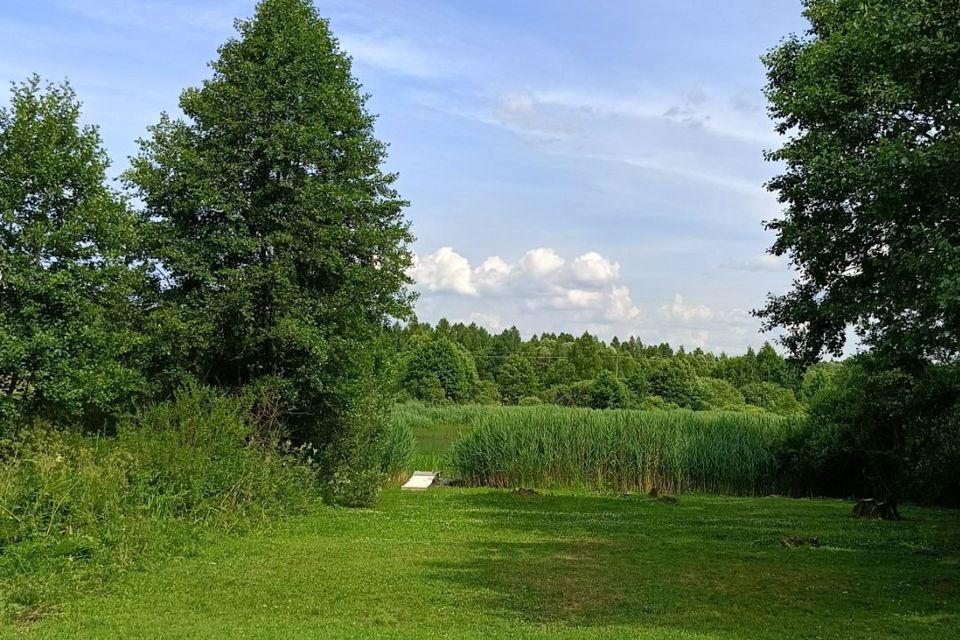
x=530, y=401
x=673, y=380
x=516, y=378
x=607, y=392
x=574, y=394
x=87, y=506
x=771, y=397
x=715, y=394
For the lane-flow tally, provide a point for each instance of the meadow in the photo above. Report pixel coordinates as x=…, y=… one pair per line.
x=481, y=563
x=224, y=539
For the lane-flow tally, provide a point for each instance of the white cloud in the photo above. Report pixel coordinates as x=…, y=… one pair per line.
x=576, y=299
x=545, y=292
x=593, y=268
x=493, y=274
x=542, y=262
x=621, y=308
x=683, y=312
x=444, y=270
x=490, y=321
x=391, y=54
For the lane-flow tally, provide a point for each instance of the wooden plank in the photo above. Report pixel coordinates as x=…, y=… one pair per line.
x=420, y=480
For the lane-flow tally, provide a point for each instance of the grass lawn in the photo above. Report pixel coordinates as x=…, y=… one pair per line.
x=454, y=563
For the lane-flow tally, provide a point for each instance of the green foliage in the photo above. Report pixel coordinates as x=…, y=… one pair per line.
x=68, y=337
x=438, y=369
x=771, y=397
x=870, y=100
x=607, y=392
x=398, y=451
x=673, y=380
x=530, y=401
x=884, y=431
x=623, y=450
x=714, y=394
x=576, y=394
x=86, y=507
x=816, y=379
x=516, y=378
x=279, y=239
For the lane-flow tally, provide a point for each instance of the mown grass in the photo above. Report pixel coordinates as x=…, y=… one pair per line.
x=673, y=451
x=480, y=563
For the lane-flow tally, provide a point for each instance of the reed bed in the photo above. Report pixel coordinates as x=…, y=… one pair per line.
x=672, y=451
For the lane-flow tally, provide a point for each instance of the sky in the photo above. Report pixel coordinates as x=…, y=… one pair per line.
x=571, y=165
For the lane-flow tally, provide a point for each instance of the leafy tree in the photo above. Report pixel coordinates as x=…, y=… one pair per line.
x=586, y=356
x=559, y=372
x=771, y=397
x=439, y=366
x=516, y=379
x=607, y=392
x=674, y=381
x=279, y=241
x=715, y=394
x=817, y=378
x=68, y=335
x=870, y=100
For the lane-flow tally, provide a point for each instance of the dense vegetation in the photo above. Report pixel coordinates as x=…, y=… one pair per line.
x=221, y=342
x=669, y=451
x=202, y=347
x=467, y=364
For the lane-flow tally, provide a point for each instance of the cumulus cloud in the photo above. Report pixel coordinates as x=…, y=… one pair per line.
x=621, y=308
x=541, y=262
x=548, y=292
x=680, y=311
x=445, y=270
x=493, y=274
x=541, y=279
x=593, y=268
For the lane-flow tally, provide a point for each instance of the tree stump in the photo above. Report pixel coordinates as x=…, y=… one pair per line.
x=875, y=509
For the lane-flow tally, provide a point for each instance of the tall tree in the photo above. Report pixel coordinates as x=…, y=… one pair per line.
x=870, y=100
x=67, y=338
x=278, y=237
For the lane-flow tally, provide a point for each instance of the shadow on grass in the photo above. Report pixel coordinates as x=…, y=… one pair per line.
x=706, y=565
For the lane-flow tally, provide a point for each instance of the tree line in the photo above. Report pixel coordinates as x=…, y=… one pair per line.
x=460, y=363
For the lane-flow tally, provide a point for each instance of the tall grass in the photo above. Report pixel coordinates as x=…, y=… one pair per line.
x=76, y=509
x=673, y=451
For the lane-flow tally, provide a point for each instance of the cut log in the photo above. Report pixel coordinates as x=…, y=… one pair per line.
x=875, y=509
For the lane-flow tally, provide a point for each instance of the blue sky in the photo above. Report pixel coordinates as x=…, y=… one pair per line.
x=571, y=165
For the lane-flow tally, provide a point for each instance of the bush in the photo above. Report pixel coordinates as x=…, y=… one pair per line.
x=715, y=394
x=530, y=401
x=673, y=380
x=574, y=394
x=607, y=392
x=771, y=397
x=87, y=506
x=881, y=430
